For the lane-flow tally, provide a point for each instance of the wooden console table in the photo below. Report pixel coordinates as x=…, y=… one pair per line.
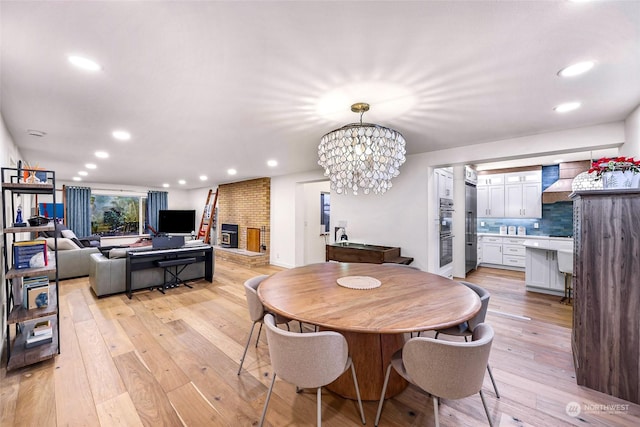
x=361, y=252
x=146, y=259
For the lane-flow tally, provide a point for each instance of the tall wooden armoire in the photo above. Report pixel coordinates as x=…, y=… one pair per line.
x=606, y=310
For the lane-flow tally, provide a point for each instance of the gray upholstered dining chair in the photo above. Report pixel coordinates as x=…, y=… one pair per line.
x=466, y=329
x=256, y=311
x=444, y=369
x=309, y=360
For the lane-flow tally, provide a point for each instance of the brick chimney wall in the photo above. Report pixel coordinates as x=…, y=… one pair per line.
x=248, y=204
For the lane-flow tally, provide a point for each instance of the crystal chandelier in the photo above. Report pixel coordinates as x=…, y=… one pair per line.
x=361, y=156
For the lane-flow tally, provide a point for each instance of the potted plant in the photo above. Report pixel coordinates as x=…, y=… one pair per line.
x=617, y=172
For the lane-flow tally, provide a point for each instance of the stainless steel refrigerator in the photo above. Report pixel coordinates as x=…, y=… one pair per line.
x=471, y=227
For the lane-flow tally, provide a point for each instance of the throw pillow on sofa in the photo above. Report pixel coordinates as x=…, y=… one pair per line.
x=68, y=234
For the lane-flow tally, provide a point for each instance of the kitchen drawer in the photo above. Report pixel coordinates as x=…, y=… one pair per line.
x=513, y=241
x=491, y=239
x=517, y=250
x=513, y=261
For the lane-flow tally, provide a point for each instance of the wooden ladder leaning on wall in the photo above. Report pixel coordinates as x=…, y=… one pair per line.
x=208, y=217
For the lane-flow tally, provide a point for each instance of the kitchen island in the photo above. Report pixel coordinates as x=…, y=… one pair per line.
x=542, y=272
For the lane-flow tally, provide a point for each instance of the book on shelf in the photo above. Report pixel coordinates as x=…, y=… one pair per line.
x=26, y=254
x=29, y=282
x=42, y=328
x=36, y=296
x=36, y=340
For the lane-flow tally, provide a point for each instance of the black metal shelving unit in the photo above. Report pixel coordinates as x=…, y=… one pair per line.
x=20, y=318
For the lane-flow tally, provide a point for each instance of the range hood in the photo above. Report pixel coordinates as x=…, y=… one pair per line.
x=559, y=191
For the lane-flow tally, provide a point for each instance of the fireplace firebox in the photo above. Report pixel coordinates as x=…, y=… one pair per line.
x=229, y=236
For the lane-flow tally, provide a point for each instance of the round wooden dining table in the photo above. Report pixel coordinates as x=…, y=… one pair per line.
x=373, y=320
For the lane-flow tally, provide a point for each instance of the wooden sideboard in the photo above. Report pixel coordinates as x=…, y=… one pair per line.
x=606, y=318
x=361, y=252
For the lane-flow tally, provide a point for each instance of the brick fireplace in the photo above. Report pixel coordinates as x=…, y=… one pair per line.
x=248, y=205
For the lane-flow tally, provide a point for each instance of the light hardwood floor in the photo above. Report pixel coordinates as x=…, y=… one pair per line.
x=172, y=360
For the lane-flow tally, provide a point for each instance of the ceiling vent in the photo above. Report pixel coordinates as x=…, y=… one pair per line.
x=37, y=133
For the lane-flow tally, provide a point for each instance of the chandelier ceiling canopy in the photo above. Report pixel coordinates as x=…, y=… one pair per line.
x=361, y=156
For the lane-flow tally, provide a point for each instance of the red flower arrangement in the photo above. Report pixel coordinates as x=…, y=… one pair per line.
x=612, y=164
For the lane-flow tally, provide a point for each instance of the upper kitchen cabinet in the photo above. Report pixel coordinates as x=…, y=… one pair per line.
x=491, y=196
x=444, y=178
x=523, y=194
x=512, y=194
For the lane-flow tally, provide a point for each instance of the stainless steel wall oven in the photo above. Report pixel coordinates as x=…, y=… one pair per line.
x=446, y=238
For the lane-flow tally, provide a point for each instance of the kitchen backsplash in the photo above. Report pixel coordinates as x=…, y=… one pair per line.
x=557, y=220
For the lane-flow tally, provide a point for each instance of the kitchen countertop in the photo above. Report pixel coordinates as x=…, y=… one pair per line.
x=529, y=237
x=554, y=244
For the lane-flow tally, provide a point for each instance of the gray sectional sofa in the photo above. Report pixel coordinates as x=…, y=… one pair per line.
x=73, y=261
x=107, y=274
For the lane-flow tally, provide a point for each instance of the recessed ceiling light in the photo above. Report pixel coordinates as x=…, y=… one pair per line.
x=121, y=135
x=165, y=185
x=576, y=69
x=566, y=107
x=182, y=182
x=90, y=166
x=83, y=173
x=203, y=177
x=84, y=63
x=272, y=163
x=232, y=171
x=77, y=178
x=101, y=154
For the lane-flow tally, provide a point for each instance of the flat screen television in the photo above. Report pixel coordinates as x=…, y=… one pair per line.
x=176, y=221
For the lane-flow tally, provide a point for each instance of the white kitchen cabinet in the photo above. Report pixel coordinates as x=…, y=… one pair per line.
x=490, y=199
x=523, y=177
x=491, y=250
x=445, y=183
x=491, y=179
x=513, y=253
x=523, y=195
x=542, y=273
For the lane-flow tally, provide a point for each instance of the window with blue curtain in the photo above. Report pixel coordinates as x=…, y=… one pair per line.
x=156, y=201
x=78, y=213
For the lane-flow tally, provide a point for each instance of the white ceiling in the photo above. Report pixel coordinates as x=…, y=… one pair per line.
x=204, y=86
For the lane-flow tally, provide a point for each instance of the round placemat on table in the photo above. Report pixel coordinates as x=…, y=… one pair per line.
x=359, y=282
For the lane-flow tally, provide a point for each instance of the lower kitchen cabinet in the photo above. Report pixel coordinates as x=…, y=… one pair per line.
x=542, y=273
x=502, y=252
x=492, y=252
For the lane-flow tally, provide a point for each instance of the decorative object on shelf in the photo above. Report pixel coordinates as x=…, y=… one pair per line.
x=19, y=222
x=586, y=181
x=33, y=174
x=617, y=172
x=361, y=156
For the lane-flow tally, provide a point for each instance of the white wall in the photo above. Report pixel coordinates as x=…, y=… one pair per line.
x=287, y=217
x=631, y=147
x=395, y=218
x=314, y=243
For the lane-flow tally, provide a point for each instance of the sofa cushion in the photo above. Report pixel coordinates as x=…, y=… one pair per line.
x=118, y=253
x=63, y=244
